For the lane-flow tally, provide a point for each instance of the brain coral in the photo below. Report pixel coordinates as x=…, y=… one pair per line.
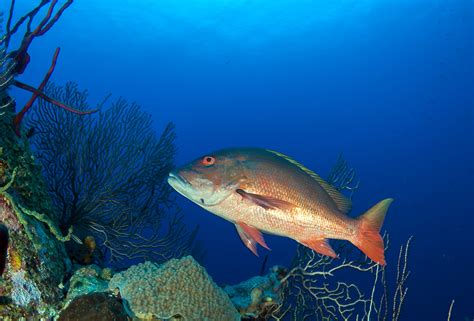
x=177, y=288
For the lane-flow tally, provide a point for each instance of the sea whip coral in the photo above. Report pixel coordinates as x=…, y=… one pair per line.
x=14, y=62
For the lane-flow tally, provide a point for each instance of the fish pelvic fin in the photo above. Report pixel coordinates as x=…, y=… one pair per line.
x=250, y=236
x=368, y=238
x=248, y=241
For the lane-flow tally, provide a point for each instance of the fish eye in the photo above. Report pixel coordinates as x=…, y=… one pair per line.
x=208, y=160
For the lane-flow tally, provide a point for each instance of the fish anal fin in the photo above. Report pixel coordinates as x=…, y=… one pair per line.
x=252, y=233
x=267, y=202
x=321, y=246
x=343, y=203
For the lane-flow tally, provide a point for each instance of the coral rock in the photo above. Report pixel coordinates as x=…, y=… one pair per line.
x=177, y=288
x=95, y=306
x=255, y=297
x=86, y=280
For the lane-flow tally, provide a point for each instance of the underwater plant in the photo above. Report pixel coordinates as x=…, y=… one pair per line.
x=106, y=174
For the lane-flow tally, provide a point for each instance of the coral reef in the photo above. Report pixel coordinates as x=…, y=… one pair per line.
x=24, y=291
x=96, y=307
x=88, y=279
x=177, y=288
x=37, y=265
x=85, y=253
x=37, y=260
x=131, y=217
x=180, y=290
x=318, y=287
x=321, y=288
x=258, y=295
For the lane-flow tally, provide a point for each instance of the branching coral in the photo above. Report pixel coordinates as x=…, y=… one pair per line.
x=342, y=177
x=318, y=288
x=6, y=73
x=390, y=304
x=14, y=62
x=106, y=174
x=178, y=288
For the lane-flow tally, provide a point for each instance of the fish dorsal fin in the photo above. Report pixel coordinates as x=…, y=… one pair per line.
x=343, y=203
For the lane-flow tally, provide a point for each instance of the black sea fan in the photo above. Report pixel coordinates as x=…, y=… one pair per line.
x=107, y=174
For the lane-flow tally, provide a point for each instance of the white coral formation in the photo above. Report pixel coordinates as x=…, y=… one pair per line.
x=177, y=288
x=24, y=291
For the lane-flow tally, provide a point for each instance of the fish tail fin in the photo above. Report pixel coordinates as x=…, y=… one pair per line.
x=368, y=238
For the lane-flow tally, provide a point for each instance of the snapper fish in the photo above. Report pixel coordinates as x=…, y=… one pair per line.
x=260, y=190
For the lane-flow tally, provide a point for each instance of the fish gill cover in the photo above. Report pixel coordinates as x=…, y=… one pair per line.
x=83, y=192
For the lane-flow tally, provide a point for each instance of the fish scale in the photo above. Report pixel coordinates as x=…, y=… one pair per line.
x=309, y=213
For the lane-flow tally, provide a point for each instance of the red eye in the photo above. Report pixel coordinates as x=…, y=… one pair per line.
x=208, y=160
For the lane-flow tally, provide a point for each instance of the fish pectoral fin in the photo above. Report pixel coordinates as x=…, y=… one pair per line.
x=321, y=246
x=250, y=236
x=267, y=202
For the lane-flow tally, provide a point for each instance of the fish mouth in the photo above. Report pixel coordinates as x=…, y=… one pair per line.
x=176, y=178
x=192, y=192
x=180, y=184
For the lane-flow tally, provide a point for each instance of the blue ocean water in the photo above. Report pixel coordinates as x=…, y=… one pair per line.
x=387, y=83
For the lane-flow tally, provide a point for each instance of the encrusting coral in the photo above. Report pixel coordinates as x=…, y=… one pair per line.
x=86, y=280
x=255, y=297
x=179, y=288
x=37, y=261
